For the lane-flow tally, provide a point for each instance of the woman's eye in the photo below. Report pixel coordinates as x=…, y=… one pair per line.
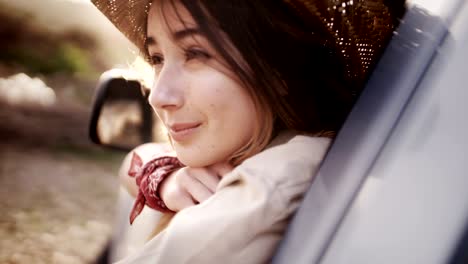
x=191, y=54
x=156, y=60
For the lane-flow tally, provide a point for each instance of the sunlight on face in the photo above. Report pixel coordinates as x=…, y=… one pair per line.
x=209, y=115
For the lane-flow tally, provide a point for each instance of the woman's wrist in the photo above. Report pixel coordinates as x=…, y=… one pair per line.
x=146, y=152
x=149, y=177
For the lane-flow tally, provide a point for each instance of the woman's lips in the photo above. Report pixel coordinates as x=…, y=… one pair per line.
x=182, y=131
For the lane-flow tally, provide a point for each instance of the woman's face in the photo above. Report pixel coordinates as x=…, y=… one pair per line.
x=209, y=115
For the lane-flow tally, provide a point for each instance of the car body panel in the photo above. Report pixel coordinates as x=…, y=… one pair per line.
x=331, y=220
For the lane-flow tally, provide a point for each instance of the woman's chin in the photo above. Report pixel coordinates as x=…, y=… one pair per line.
x=196, y=159
x=194, y=162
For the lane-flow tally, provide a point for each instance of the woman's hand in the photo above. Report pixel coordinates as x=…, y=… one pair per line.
x=190, y=186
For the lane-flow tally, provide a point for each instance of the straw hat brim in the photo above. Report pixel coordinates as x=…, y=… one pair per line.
x=359, y=29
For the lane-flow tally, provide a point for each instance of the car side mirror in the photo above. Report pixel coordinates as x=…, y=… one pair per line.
x=121, y=117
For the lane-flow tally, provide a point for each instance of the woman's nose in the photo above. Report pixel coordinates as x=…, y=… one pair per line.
x=167, y=92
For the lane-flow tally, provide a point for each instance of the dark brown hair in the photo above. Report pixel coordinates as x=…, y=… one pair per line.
x=295, y=75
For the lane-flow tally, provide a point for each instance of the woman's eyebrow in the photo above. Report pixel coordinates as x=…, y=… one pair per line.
x=177, y=35
x=150, y=41
x=186, y=32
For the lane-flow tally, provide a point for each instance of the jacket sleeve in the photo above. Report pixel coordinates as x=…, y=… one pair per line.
x=242, y=222
x=237, y=222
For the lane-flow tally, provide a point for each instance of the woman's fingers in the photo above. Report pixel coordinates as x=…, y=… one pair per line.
x=194, y=187
x=173, y=194
x=181, y=201
x=207, y=177
x=189, y=186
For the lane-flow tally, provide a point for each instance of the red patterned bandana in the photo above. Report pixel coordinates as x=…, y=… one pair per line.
x=148, y=177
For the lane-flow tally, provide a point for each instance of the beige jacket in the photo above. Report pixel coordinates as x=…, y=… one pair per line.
x=246, y=217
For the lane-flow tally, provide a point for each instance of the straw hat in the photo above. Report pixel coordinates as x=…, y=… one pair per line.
x=357, y=28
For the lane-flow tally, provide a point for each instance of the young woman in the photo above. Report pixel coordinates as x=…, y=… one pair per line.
x=251, y=93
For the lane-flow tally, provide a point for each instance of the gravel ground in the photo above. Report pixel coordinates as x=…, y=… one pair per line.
x=57, y=192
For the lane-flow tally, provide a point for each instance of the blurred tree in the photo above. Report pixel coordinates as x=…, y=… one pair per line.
x=37, y=51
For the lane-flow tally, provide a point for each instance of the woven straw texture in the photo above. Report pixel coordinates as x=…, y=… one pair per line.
x=358, y=28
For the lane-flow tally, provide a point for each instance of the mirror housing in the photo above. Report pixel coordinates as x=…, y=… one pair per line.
x=121, y=117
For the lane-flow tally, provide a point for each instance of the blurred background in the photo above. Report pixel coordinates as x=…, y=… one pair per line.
x=57, y=190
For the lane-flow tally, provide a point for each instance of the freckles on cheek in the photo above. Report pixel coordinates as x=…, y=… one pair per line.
x=213, y=103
